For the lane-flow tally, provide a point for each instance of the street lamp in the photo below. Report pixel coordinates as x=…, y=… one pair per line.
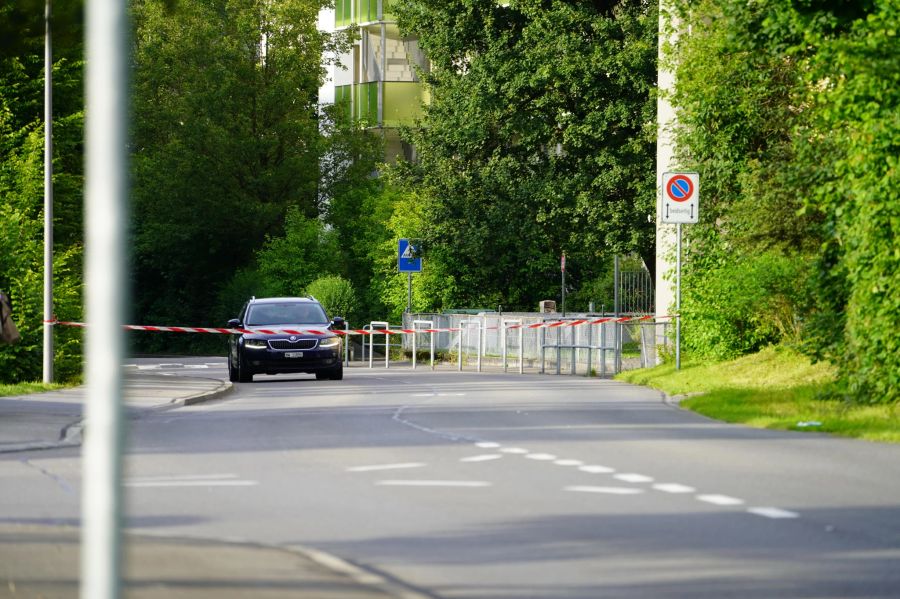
x=48, y=198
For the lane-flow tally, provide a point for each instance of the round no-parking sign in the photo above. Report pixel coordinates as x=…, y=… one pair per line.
x=681, y=198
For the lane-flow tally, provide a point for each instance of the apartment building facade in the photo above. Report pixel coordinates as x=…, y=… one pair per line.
x=379, y=83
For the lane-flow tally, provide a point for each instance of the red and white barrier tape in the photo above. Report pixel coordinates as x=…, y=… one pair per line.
x=305, y=331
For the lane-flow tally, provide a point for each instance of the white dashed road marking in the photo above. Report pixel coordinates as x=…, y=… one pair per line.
x=720, y=499
x=514, y=450
x=376, y=467
x=487, y=445
x=773, y=512
x=568, y=463
x=193, y=483
x=606, y=490
x=482, y=458
x=633, y=478
x=597, y=469
x=541, y=457
x=433, y=483
x=674, y=488
x=190, y=480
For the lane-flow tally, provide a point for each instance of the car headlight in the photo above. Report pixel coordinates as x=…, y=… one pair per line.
x=256, y=343
x=330, y=342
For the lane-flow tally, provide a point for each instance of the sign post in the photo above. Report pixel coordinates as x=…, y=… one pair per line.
x=409, y=260
x=562, y=268
x=680, y=205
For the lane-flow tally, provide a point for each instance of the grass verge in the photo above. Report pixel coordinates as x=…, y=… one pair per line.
x=776, y=388
x=26, y=388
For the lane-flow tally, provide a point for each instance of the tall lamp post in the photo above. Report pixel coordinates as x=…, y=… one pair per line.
x=48, y=198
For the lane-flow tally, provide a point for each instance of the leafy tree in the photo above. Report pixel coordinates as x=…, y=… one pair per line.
x=789, y=111
x=21, y=183
x=336, y=295
x=291, y=262
x=858, y=113
x=226, y=140
x=539, y=139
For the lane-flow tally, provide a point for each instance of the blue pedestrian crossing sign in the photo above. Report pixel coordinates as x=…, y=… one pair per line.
x=409, y=257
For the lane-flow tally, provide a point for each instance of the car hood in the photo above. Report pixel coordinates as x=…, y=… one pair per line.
x=302, y=331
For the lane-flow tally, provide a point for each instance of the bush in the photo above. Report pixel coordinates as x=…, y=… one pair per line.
x=336, y=295
x=743, y=304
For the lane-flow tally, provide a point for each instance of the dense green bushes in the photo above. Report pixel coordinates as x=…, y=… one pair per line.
x=792, y=116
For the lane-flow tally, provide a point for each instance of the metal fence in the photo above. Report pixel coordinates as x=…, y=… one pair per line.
x=508, y=341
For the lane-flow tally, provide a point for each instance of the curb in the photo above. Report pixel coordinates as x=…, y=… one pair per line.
x=71, y=435
x=365, y=576
x=224, y=388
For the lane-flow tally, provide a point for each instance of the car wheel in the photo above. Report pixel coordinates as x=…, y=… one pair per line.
x=321, y=375
x=244, y=374
x=232, y=371
x=337, y=374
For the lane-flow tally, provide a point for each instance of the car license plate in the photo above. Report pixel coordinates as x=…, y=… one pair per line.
x=293, y=354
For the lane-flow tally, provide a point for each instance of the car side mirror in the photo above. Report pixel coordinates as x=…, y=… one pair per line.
x=234, y=323
x=337, y=322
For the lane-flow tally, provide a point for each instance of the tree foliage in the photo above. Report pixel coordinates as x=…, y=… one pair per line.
x=538, y=139
x=22, y=183
x=790, y=113
x=336, y=295
x=226, y=141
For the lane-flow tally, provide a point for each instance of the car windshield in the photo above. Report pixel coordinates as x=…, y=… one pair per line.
x=286, y=313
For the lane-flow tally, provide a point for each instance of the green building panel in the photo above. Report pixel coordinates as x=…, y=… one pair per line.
x=367, y=103
x=402, y=103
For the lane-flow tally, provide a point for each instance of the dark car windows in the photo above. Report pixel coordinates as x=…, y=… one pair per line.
x=285, y=313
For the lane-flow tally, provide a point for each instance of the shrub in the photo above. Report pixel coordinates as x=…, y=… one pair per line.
x=336, y=295
x=743, y=304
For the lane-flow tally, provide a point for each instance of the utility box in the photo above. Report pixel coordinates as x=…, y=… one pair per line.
x=547, y=306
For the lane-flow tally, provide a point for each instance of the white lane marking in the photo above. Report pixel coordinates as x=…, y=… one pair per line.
x=482, y=458
x=720, y=499
x=423, y=395
x=433, y=483
x=568, y=463
x=376, y=467
x=773, y=512
x=193, y=483
x=633, y=478
x=487, y=445
x=597, y=469
x=673, y=488
x=514, y=450
x=176, y=477
x=541, y=457
x=607, y=490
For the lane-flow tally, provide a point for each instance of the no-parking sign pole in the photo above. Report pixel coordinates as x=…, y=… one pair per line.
x=680, y=205
x=678, y=300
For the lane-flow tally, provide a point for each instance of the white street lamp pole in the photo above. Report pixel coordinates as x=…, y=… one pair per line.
x=48, y=197
x=106, y=192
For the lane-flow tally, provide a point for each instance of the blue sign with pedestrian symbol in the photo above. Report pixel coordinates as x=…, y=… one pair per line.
x=409, y=258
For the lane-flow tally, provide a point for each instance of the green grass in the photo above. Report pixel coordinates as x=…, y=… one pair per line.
x=26, y=388
x=776, y=388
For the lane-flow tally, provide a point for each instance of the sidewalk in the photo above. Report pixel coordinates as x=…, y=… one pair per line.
x=49, y=420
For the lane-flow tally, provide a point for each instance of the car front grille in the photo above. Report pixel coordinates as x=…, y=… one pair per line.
x=287, y=344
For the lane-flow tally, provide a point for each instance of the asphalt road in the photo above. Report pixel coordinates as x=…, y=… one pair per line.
x=503, y=486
